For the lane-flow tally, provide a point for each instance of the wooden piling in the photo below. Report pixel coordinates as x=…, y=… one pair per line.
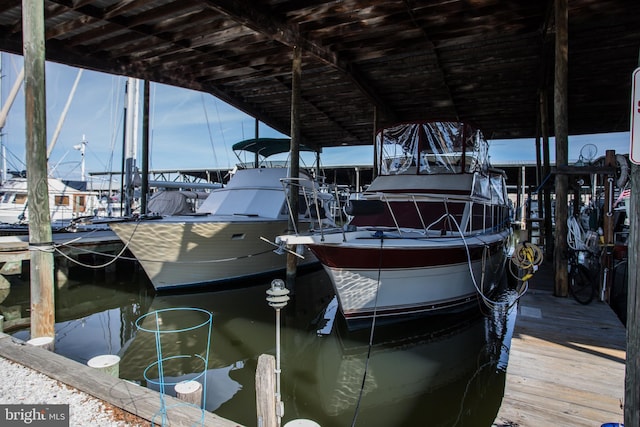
x=46, y=343
x=294, y=168
x=42, y=281
x=190, y=392
x=546, y=170
x=266, y=391
x=562, y=147
x=107, y=363
x=632, y=371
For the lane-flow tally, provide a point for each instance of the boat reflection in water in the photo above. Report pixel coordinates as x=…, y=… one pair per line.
x=446, y=371
x=437, y=371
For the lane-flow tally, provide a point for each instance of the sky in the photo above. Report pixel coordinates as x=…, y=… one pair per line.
x=188, y=129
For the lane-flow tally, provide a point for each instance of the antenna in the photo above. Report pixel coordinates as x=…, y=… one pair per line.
x=82, y=146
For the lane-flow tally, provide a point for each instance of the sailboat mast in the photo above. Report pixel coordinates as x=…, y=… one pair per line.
x=131, y=142
x=5, y=112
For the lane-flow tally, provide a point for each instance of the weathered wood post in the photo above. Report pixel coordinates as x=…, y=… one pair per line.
x=190, y=392
x=266, y=391
x=632, y=372
x=294, y=166
x=561, y=288
x=546, y=170
x=40, y=239
x=109, y=364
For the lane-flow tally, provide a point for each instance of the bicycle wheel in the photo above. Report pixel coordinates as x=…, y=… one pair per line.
x=581, y=284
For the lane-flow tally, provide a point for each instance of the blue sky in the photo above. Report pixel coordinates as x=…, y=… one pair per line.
x=188, y=129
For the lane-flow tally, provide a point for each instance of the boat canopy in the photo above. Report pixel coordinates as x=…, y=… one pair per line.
x=266, y=147
x=431, y=147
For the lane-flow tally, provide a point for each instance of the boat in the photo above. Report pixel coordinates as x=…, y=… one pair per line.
x=230, y=233
x=67, y=202
x=430, y=232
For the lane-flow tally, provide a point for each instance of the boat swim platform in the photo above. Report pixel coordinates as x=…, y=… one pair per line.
x=130, y=397
x=566, y=362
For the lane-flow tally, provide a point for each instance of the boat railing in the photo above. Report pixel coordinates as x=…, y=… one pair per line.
x=463, y=226
x=319, y=202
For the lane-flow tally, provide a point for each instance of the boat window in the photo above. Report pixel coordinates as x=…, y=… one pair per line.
x=431, y=147
x=61, y=200
x=20, y=199
x=497, y=190
x=481, y=187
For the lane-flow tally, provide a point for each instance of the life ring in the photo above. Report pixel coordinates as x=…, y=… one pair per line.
x=622, y=165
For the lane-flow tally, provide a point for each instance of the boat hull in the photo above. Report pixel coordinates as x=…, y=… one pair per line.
x=393, y=278
x=177, y=253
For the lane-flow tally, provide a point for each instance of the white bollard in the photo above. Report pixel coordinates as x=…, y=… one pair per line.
x=43, y=342
x=107, y=363
x=190, y=392
x=301, y=422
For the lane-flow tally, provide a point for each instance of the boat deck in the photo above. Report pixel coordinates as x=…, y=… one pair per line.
x=566, y=362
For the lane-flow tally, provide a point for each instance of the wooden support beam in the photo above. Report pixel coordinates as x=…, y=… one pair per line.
x=42, y=282
x=294, y=164
x=632, y=374
x=546, y=170
x=632, y=371
x=561, y=119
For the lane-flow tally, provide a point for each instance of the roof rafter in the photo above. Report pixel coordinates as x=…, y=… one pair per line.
x=253, y=16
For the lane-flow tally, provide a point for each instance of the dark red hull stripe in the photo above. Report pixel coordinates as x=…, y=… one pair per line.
x=347, y=258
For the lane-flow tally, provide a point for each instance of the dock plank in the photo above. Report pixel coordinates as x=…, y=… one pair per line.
x=140, y=401
x=566, y=364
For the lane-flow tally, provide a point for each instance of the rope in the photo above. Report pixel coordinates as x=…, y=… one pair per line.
x=575, y=238
x=526, y=257
x=487, y=301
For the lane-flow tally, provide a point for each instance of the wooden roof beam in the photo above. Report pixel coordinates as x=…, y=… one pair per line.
x=261, y=20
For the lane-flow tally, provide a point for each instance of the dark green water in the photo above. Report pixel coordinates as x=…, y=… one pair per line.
x=446, y=371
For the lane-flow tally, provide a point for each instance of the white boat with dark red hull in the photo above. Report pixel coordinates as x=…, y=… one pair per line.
x=428, y=235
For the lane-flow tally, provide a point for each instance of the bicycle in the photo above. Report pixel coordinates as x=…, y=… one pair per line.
x=583, y=275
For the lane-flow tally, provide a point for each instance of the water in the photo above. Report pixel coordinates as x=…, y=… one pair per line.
x=446, y=371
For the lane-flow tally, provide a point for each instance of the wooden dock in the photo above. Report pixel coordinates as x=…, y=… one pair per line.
x=14, y=250
x=16, y=247
x=566, y=364
x=137, y=400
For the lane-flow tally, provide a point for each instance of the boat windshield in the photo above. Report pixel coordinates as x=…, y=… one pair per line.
x=430, y=148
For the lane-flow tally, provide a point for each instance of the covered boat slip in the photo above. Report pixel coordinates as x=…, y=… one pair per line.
x=572, y=375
